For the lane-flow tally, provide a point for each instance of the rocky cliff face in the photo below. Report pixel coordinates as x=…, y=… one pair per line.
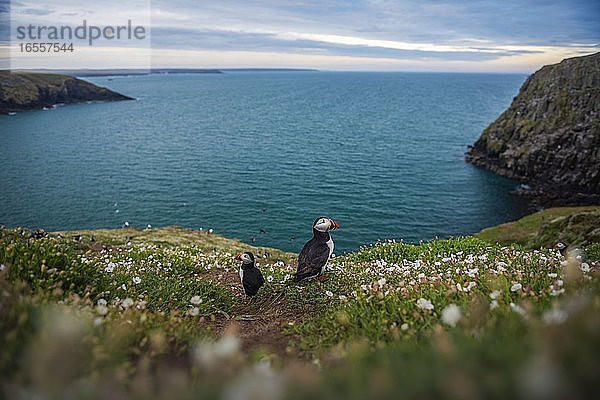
x=29, y=91
x=549, y=137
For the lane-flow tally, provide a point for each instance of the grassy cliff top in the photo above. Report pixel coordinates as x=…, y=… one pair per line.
x=170, y=236
x=160, y=313
x=567, y=225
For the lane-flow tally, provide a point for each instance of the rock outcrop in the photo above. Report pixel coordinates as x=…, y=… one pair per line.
x=549, y=137
x=21, y=91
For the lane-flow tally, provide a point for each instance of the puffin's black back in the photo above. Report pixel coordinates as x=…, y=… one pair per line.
x=313, y=256
x=252, y=281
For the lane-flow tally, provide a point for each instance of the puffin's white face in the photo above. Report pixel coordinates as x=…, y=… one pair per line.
x=244, y=257
x=325, y=224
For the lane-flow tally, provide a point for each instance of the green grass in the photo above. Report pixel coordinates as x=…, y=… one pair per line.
x=569, y=225
x=143, y=314
x=171, y=236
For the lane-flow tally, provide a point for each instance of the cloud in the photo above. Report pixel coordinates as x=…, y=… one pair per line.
x=295, y=42
x=4, y=26
x=444, y=30
x=455, y=33
x=35, y=11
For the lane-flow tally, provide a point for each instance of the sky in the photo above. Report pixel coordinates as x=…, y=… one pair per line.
x=374, y=35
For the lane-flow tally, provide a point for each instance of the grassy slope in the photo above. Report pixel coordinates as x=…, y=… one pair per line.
x=174, y=236
x=570, y=225
x=364, y=325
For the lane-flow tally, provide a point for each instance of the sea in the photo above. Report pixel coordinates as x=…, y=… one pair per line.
x=259, y=155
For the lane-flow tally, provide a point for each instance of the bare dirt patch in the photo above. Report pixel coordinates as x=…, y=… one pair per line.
x=259, y=322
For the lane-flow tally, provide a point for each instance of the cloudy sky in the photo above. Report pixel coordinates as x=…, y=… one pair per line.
x=457, y=35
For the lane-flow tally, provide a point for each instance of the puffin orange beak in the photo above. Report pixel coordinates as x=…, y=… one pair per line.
x=238, y=256
x=333, y=225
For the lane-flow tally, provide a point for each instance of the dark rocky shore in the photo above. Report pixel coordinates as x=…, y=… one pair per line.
x=549, y=137
x=22, y=91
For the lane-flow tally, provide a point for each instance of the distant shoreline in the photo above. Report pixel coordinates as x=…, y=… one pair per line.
x=21, y=91
x=158, y=71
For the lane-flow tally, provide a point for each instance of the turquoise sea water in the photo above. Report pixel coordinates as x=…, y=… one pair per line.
x=382, y=153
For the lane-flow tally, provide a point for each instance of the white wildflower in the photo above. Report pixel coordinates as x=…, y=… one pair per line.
x=585, y=267
x=515, y=287
x=101, y=310
x=552, y=275
x=518, y=309
x=381, y=282
x=494, y=304
x=126, y=303
x=110, y=267
x=123, y=287
x=209, y=354
x=270, y=278
x=554, y=317
x=102, y=302
x=451, y=315
x=470, y=286
x=329, y=293
x=404, y=326
x=494, y=295
x=194, y=311
x=473, y=272
x=2, y=267
x=137, y=280
x=342, y=297
x=196, y=300
x=424, y=304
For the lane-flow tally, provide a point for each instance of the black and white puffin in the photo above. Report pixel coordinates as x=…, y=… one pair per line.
x=316, y=251
x=250, y=276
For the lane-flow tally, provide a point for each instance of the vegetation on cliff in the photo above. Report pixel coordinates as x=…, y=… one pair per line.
x=549, y=137
x=21, y=91
x=160, y=313
x=571, y=226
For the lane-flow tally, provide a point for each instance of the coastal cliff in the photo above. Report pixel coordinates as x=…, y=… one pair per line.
x=549, y=137
x=21, y=91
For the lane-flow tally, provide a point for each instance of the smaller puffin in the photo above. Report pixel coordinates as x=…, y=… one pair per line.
x=316, y=252
x=250, y=276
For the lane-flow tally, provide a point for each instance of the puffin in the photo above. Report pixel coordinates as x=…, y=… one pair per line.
x=250, y=276
x=316, y=252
